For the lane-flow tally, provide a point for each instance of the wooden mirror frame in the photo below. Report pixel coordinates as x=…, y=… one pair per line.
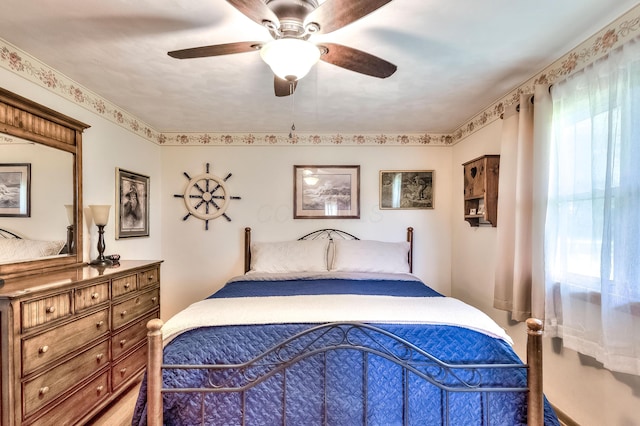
x=28, y=120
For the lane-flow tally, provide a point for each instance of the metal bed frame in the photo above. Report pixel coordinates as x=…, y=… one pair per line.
x=8, y=234
x=366, y=339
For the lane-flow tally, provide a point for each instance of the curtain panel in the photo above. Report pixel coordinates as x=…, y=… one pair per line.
x=592, y=248
x=519, y=276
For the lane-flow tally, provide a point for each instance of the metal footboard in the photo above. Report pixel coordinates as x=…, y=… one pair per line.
x=320, y=341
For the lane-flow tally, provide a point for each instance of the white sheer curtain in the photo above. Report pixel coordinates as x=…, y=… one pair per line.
x=593, y=218
x=519, y=276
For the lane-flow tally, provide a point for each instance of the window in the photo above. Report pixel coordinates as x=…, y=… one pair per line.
x=592, y=230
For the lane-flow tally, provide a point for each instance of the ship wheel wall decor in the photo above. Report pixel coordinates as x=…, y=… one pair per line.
x=206, y=197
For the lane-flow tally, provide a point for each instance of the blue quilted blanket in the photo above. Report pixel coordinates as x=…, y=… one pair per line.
x=342, y=387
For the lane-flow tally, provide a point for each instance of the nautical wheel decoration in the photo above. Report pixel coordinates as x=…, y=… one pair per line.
x=207, y=197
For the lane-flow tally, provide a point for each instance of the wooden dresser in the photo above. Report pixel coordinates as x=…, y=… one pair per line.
x=73, y=340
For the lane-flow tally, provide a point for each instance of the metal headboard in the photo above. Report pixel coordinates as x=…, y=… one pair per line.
x=8, y=234
x=327, y=233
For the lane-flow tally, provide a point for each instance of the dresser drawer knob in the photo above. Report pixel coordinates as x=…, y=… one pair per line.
x=154, y=299
x=99, y=357
x=99, y=324
x=99, y=389
x=95, y=296
x=150, y=278
x=43, y=390
x=123, y=342
x=127, y=285
x=43, y=349
x=123, y=313
x=50, y=309
x=123, y=371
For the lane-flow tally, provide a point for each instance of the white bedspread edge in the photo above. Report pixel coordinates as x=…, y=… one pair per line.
x=332, y=308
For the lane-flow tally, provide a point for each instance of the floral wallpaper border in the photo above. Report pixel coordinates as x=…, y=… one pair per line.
x=617, y=33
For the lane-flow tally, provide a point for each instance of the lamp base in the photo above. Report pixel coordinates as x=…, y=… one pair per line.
x=101, y=262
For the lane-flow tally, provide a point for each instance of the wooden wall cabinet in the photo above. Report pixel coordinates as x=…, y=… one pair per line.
x=481, y=190
x=73, y=340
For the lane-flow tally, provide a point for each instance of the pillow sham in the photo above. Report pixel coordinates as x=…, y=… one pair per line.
x=19, y=249
x=370, y=256
x=289, y=256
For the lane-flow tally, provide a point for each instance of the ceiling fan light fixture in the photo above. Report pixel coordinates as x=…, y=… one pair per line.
x=290, y=58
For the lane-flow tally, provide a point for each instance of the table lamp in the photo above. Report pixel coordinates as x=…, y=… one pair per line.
x=100, y=215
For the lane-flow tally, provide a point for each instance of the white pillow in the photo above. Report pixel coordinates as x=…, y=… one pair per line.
x=289, y=256
x=18, y=249
x=371, y=256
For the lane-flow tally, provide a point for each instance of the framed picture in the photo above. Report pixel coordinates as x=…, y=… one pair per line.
x=406, y=189
x=15, y=190
x=132, y=204
x=326, y=192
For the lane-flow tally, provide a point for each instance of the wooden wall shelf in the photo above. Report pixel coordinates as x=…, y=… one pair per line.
x=481, y=190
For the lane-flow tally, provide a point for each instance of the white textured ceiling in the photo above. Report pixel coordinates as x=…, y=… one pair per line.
x=454, y=58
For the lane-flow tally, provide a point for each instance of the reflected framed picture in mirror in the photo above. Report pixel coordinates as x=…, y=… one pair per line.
x=15, y=189
x=132, y=204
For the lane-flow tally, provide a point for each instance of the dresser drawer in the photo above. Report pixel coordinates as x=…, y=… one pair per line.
x=46, y=387
x=57, y=342
x=124, y=285
x=130, y=309
x=150, y=277
x=44, y=310
x=129, y=367
x=87, y=397
x=131, y=336
x=88, y=297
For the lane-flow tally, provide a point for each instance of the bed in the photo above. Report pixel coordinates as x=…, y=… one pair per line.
x=333, y=330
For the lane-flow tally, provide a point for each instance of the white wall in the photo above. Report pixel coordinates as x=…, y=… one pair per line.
x=197, y=262
x=582, y=389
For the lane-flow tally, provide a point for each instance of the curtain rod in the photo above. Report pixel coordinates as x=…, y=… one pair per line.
x=532, y=100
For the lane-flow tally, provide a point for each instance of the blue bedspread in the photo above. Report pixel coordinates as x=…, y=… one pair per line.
x=299, y=287
x=347, y=400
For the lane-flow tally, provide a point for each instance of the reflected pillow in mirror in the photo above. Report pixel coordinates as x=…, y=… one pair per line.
x=18, y=249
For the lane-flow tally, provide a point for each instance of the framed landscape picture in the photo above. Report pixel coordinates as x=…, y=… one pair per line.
x=15, y=190
x=132, y=204
x=326, y=192
x=406, y=189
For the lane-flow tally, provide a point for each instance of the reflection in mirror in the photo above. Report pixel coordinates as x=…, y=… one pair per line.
x=44, y=233
x=50, y=143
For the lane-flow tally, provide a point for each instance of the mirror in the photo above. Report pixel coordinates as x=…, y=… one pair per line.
x=49, y=216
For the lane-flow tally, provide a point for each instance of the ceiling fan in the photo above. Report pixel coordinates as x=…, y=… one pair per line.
x=291, y=23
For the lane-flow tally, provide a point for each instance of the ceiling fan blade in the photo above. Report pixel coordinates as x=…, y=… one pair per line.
x=357, y=60
x=256, y=10
x=335, y=14
x=216, y=50
x=283, y=87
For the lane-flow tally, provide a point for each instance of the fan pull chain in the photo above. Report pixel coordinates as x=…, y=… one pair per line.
x=292, y=93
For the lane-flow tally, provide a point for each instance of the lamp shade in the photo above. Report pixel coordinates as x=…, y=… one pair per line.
x=100, y=213
x=290, y=58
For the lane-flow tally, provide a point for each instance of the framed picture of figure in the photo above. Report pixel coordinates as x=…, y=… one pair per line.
x=132, y=204
x=406, y=189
